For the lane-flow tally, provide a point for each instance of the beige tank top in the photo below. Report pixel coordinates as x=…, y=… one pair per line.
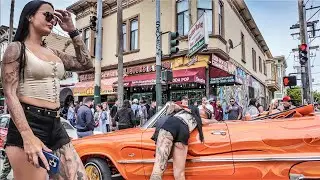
x=41, y=78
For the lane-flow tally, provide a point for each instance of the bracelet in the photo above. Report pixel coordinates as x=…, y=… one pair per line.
x=74, y=33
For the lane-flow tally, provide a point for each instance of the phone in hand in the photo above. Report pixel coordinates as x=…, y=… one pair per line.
x=53, y=160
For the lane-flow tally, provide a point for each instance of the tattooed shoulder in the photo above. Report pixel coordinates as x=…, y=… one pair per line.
x=12, y=53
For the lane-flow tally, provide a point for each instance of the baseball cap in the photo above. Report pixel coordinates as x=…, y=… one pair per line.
x=286, y=98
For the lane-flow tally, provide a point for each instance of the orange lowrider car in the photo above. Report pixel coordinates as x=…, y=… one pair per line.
x=281, y=146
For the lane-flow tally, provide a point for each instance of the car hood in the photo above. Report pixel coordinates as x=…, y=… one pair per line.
x=120, y=135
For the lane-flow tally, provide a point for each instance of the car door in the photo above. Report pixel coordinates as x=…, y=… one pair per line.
x=213, y=158
x=204, y=159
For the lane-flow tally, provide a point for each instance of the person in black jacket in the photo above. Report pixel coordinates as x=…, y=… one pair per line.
x=125, y=116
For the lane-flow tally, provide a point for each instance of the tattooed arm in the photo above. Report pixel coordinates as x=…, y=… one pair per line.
x=81, y=62
x=10, y=80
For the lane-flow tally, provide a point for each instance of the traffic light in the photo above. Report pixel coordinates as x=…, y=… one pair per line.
x=303, y=54
x=93, y=22
x=289, y=81
x=173, y=43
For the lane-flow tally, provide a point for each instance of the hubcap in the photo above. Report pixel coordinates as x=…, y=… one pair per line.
x=93, y=172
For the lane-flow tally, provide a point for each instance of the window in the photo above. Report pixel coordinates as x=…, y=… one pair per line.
x=264, y=67
x=130, y=32
x=124, y=32
x=134, y=35
x=206, y=6
x=183, y=22
x=260, y=64
x=86, y=37
x=243, y=50
x=220, y=14
x=254, y=60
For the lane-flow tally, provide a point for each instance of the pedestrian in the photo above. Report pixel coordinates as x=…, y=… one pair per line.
x=100, y=119
x=113, y=113
x=125, y=116
x=252, y=108
x=85, y=124
x=286, y=104
x=71, y=114
x=106, y=110
x=260, y=107
x=135, y=108
x=143, y=112
x=218, y=111
x=234, y=111
x=153, y=109
x=206, y=108
x=31, y=74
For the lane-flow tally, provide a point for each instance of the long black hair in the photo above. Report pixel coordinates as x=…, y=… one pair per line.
x=23, y=30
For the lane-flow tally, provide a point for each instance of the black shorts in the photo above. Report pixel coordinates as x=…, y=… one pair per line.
x=178, y=130
x=46, y=127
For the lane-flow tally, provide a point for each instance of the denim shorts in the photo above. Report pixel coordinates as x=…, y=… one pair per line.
x=47, y=128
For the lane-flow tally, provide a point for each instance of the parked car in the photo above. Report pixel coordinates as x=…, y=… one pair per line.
x=280, y=146
x=72, y=131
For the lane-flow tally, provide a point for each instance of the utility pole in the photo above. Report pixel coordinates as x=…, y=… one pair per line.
x=97, y=78
x=11, y=21
x=158, y=57
x=304, y=39
x=120, y=52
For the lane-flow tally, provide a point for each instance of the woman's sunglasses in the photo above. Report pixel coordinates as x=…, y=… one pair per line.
x=49, y=16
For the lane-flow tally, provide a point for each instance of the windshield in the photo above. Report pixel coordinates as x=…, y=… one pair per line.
x=152, y=121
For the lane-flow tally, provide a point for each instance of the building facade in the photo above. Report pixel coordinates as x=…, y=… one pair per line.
x=277, y=66
x=232, y=66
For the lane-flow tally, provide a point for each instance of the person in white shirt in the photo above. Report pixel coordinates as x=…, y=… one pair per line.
x=206, y=103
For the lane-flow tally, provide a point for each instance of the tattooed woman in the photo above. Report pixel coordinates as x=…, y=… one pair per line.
x=30, y=76
x=173, y=137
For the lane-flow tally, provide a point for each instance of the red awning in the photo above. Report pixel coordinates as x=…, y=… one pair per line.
x=194, y=75
x=216, y=72
x=140, y=80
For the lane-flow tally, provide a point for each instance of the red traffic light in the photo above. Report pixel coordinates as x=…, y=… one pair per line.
x=303, y=47
x=290, y=81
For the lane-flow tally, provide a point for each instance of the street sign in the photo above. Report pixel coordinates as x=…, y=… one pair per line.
x=198, y=36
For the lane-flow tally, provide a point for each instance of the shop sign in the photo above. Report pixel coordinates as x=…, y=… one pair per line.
x=194, y=62
x=200, y=80
x=181, y=80
x=240, y=75
x=198, y=36
x=127, y=71
x=143, y=82
x=219, y=63
x=222, y=80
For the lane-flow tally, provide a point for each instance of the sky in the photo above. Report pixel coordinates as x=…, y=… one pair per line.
x=273, y=18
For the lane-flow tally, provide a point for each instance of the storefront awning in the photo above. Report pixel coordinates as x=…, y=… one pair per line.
x=221, y=77
x=194, y=75
x=140, y=80
x=87, y=88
